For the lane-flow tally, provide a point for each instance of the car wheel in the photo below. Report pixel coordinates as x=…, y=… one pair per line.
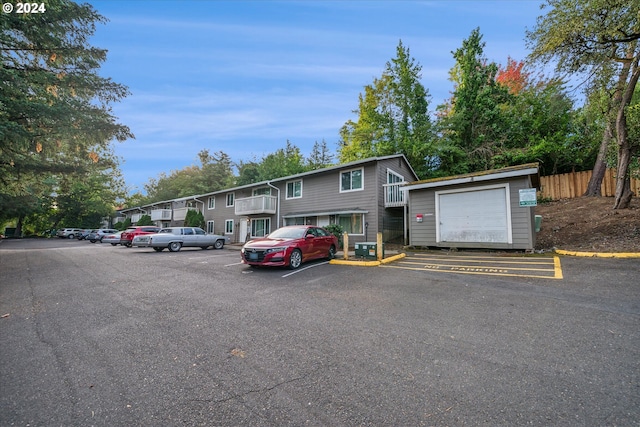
x=92, y=240
x=295, y=259
x=219, y=244
x=175, y=246
x=332, y=252
x=158, y=249
x=71, y=236
x=128, y=245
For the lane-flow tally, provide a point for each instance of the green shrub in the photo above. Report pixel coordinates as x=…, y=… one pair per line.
x=336, y=230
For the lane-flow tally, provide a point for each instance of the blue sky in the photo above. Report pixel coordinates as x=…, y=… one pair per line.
x=244, y=77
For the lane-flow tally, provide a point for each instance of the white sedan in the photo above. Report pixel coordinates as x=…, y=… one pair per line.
x=174, y=238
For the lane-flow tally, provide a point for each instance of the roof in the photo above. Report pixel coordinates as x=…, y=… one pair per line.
x=281, y=179
x=488, y=175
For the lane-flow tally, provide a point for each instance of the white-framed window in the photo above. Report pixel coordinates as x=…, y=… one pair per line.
x=394, y=177
x=231, y=197
x=294, y=189
x=351, y=223
x=228, y=226
x=260, y=227
x=212, y=202
x=262, y=191
x=352, y=180
x=210, y=227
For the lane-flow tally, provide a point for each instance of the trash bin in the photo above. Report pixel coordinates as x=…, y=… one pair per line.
x=538, y=223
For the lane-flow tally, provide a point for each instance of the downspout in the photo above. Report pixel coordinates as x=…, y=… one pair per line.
x=277, y=205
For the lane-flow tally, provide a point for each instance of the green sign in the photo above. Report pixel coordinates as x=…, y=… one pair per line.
x=528, y=197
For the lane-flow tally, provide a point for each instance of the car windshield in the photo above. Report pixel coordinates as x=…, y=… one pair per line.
x=288, y=233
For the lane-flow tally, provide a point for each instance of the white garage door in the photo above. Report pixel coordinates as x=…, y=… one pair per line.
x=481, y=216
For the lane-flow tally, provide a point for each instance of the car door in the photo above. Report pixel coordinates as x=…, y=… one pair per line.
x=310, y=250
x=322, y=242
x=189, y=237
x=200, y=237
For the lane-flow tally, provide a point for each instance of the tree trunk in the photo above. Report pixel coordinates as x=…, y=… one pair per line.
x=600, y=167
x=18, y=232
x=623, y=186
x=623, y=181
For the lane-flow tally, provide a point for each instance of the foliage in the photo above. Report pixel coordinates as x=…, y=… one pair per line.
x=122, y=225
x=473, y=126
x=597, y=39
x=56, y=125
x=393, y=117
x=336, y=230
x=145, y=220
x=214, y=173
x=194, y=218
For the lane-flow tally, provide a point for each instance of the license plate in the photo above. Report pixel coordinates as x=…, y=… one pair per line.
x=253, y=256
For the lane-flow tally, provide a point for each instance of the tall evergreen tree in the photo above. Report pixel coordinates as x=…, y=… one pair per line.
x=393, y=116
x=55, y=116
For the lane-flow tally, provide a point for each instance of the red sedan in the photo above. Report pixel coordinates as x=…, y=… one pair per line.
x=290, y=246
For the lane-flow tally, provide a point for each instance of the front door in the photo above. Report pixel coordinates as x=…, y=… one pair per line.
x=242, y=237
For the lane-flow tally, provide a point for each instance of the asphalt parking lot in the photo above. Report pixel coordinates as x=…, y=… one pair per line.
x=93, y=334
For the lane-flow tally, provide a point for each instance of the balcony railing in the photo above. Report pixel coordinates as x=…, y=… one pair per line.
x=180, y=214
x=136, y=217
x=256, y=205
x=394, y=195
x=161, y=215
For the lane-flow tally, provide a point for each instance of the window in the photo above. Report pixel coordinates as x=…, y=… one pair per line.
x=260, y=227
x=199, y=231
x=209, y=227
x=228, y=226
x=230, y=199
x=212, y=202
x=351, y=224
x=351, y=180
x=294, y=189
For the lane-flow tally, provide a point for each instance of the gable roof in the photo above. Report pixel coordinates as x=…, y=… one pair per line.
x=284, y=178
x=488, y=175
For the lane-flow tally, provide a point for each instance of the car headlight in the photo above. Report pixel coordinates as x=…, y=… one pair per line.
x=272, y=250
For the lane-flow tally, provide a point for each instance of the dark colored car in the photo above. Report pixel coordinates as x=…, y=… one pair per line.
x=127, y=236
x=290, y=246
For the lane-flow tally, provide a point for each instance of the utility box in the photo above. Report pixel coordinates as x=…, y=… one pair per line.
x=368, y=250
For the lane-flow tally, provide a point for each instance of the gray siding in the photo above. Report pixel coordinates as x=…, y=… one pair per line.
x=522, y=218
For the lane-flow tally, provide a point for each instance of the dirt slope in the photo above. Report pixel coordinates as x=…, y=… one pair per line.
x=589, y=224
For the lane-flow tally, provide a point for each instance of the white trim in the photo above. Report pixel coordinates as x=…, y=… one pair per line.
x=226, y=222
x=351, y=180
x=474, y=178
x=286, y=189
x=506, y=188
x=212, y=222
x=233, y=201
x=211, y=198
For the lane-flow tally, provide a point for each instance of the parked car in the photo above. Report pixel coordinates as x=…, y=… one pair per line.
x=290, y=246
x=68, y=233
x=82, y=235
x=127, y=236
x=97, y=235
x=174, y=238
x=114, y=238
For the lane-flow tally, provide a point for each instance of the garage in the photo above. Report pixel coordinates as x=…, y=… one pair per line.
x=481, y=215
x=484, y=210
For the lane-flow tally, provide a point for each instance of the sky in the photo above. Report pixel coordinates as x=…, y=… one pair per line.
x=245, y=77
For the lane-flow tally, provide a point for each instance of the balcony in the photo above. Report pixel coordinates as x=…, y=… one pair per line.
x=136, y=217
x=394, y=195
x=180, y=214
x=256, y=205
x=161, y=215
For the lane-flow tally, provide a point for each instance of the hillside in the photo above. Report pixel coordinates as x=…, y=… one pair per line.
x=589, y=224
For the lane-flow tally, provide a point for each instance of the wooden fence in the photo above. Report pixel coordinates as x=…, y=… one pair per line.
x=574, y=184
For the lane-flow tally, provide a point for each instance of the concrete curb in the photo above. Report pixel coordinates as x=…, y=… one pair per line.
x=367, y=263
x=598, y=254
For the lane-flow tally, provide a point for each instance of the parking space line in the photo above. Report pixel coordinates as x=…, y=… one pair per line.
x=545, y=268
x=305, y=268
